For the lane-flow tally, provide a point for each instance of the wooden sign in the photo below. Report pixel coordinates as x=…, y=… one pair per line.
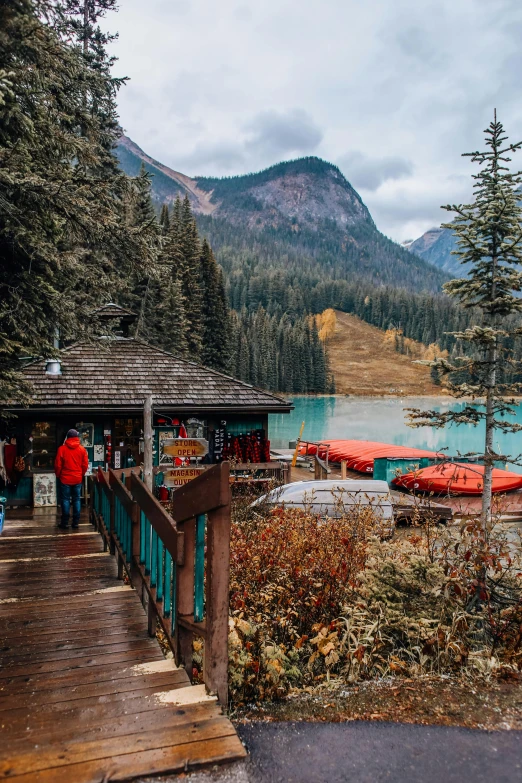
x=177, y=477
x=185, y=447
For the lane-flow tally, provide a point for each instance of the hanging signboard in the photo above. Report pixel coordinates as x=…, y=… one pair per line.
x=185, y=447
x=177, y=477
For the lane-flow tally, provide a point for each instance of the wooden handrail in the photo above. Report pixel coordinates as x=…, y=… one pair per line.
x=121, y=492
x=205, y=493
x=160, y=520
x=166, y=557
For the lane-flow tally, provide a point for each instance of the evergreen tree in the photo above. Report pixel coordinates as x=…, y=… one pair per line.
x=164, y=220
x=145, y=292
x=489, y=239
x=172, y=319
x=144, y=214
x=172, y=310
x=215, y=351
x=65, y=244
x=190, y=276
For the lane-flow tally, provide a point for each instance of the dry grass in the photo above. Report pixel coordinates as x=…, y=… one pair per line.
x=363, y=365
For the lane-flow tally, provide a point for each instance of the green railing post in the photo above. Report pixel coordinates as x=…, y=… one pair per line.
x=161, y=571
x=167, y=599
x=199, y=568
x=143, y=527
x=154, y=559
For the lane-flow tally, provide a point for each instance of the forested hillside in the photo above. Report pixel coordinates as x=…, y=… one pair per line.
x=183, y=308
x=297, y=239
x=300, y=214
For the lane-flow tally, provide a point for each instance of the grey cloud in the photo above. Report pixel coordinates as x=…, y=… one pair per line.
x=211, y=159
x=423, y=76
x=370, y=173
x=279, y=133
x=243, y=13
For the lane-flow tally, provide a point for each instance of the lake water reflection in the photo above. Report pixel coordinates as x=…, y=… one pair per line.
x=370, y=418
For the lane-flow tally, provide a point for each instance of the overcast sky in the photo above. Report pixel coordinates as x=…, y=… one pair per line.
x=392, y=91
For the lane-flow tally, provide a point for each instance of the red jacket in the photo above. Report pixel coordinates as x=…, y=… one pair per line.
x=71, y=462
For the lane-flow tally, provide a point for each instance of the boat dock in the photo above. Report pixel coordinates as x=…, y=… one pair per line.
x=86, y=694
x=444, y=507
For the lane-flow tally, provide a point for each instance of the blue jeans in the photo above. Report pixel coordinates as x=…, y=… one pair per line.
x=70, y=493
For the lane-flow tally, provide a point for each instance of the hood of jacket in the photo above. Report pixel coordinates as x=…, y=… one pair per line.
x=72, y=443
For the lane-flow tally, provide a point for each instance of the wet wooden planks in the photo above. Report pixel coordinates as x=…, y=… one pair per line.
x=85, y=693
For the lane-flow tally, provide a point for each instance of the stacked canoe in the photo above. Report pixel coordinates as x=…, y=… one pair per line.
x=360, y=454
x=446, y=477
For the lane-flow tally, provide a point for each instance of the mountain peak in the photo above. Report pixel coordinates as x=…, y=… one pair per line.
x=303, y=211
x=306, y=189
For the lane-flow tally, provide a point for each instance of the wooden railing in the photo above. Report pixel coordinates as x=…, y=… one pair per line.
x=178, y=563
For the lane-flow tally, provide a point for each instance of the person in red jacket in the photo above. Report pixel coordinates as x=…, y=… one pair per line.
x=70, y=466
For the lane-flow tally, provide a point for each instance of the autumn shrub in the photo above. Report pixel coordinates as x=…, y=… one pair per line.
x=440, y=604
x=290, y=571
x=313, y=600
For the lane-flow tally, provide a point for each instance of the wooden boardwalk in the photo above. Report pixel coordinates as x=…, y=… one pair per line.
x=85, y=693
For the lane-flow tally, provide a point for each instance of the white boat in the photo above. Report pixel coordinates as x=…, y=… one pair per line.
x=335, y=498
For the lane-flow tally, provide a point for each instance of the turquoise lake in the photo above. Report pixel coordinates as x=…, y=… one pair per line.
x=370, y=418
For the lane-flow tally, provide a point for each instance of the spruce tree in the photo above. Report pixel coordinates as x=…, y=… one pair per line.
x=172, y=319
x=65, y=243
x=190, y=277
x=145, y=292
x=164, y=220
x=489, y=239
x=215, y=334
x=172, y=311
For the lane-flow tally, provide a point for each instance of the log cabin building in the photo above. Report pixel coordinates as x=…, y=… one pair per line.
x=99, y=389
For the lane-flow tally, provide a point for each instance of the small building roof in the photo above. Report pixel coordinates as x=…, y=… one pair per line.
x=112, y=310
x=119, y=373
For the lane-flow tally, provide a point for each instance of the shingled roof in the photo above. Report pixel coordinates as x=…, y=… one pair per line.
x=118, y=373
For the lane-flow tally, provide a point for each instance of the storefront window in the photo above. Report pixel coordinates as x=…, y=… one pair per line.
x=42, y=441
x=127, y=442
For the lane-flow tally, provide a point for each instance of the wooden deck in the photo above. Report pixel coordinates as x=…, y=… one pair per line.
x=85, y=694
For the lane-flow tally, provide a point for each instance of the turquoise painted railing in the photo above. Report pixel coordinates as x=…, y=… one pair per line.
x=179, y=560
x=199, y=569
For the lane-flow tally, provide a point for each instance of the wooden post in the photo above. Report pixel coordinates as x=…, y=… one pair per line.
x=320, y=472
x=343, y=469
x=185, y=597
x=215, y=662
x=147, y=443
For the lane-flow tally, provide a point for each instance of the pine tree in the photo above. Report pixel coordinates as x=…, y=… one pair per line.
x=489, y=238
x=172, y=311
x=173, y=319
x=190, y=278
x=145, y=292
x=164, y=220
x=144, y=214
x=61, y=194
x=214, y=312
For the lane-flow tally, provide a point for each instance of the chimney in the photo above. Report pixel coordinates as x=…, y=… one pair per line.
x=53, y=367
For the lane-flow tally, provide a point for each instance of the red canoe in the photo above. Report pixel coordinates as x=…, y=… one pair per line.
x=360, y=454
x=458, y=479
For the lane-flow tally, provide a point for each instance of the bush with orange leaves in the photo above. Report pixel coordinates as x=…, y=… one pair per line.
x=290, y=573
x=312, y=600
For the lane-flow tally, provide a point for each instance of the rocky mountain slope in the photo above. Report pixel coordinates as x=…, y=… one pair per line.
x=436, y=246
x=281, y=192
x=304, y=211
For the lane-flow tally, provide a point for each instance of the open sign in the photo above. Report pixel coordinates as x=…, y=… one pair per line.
x=185, y=447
